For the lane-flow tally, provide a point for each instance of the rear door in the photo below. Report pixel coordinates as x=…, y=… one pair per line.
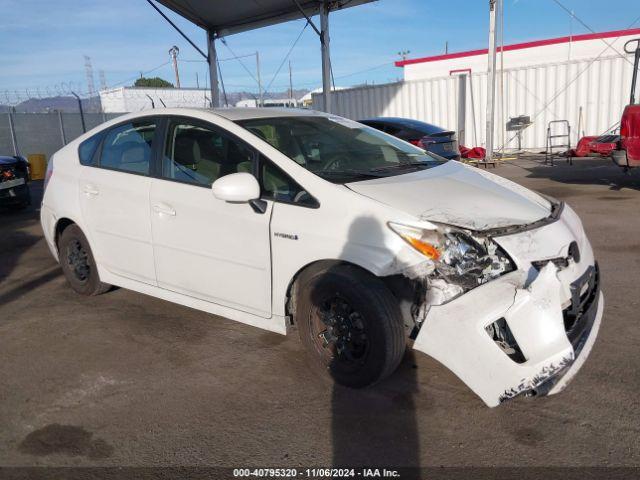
x=114, y=199
x=204, y=247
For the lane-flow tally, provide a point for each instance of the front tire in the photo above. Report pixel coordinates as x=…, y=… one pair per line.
x=78, y=264
x=349, y=323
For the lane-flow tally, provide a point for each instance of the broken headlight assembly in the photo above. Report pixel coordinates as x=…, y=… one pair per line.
x=461, y=258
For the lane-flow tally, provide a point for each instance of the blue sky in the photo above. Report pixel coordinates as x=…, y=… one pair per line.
x=44, y=42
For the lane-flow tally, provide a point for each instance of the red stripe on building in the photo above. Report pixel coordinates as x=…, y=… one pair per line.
x=520, y=46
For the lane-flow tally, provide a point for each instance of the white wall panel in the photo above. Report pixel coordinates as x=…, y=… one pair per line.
x=547, y=92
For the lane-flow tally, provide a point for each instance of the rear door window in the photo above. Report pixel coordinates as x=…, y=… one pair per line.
x=128, y=147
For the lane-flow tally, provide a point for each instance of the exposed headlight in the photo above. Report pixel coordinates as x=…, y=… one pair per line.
x=460, y=257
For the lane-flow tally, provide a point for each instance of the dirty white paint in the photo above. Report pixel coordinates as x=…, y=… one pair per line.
x=457, y=195
x=352, y=225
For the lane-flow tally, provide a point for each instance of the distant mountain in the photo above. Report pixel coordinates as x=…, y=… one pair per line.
x=49, y=104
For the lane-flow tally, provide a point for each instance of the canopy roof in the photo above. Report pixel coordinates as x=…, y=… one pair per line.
x=227, y=17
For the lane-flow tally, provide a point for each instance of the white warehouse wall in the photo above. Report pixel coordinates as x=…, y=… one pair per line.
x=135, y=99
x=555, y=50
x=551, y=91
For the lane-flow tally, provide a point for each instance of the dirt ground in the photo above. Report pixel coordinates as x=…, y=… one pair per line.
x=126, y=379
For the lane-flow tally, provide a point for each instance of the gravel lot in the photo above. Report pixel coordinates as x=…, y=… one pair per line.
x=126, y=379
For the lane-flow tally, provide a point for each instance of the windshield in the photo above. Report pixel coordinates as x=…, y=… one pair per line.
x=338, y=149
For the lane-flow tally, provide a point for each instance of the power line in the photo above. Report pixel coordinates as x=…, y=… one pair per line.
x=572, y=14
x=236, y=57
x=563, y=89
x=190, y=60
x=352, y=74
x=386, y=64
x=143, y=74
x=287, y=56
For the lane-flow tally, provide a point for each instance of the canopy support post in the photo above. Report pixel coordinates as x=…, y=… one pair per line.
x=212, y=59
x=326, y=56
x=491, y=79
x=462, y=108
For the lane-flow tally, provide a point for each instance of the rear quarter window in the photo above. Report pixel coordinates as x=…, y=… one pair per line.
x=87, y=150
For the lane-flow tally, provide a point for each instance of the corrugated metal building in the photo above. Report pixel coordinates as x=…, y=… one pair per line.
x=584, y=79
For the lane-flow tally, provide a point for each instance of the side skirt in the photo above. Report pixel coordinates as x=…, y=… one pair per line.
x=276, y=323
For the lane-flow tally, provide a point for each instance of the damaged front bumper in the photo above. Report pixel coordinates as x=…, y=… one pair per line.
x=553, y=313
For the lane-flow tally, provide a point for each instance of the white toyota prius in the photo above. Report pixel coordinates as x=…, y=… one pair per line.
x=364, y=243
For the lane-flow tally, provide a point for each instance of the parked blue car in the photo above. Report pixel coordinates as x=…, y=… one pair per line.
x=421, y=134
x=14, y=182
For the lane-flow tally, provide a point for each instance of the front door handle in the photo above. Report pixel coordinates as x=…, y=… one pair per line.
x=164, y=209
x=90, y=190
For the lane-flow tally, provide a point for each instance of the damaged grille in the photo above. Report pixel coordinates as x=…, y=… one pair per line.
x=584, y=292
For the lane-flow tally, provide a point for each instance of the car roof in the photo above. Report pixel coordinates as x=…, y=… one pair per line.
x=232, y=114
x=247, y=113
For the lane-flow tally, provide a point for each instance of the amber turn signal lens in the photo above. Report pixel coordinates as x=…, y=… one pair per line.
x=425, y=248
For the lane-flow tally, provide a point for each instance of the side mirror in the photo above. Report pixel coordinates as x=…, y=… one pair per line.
x=236, y=187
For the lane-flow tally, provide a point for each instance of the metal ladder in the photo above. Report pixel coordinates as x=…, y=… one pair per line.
x=549, y=153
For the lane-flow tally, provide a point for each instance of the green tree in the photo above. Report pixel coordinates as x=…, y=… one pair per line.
x=155, y=82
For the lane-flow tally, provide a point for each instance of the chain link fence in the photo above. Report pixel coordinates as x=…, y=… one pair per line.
x=30, y=133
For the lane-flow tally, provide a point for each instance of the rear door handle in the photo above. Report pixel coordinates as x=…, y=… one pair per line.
x=164, y=209
x=90, y=190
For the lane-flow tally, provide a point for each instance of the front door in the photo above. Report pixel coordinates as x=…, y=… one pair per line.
x=114, y=199
x=204, y=247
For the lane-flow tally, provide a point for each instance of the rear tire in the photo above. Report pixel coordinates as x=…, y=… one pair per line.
x=78, y=264
x=349, y=323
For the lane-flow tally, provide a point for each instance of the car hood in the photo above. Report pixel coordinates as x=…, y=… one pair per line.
x=458, y=195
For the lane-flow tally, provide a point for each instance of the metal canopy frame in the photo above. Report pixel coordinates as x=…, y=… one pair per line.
x=221, y=18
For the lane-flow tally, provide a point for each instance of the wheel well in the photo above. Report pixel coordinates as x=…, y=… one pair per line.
x=404, y=290
x=289, y=306
x=61, y=225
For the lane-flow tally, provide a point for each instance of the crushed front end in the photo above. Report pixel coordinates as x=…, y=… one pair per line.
x=511, y=311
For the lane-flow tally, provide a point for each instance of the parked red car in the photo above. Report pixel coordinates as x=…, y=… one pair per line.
x=627, y=153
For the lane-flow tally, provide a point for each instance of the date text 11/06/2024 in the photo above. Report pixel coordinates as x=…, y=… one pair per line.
x=315, y=473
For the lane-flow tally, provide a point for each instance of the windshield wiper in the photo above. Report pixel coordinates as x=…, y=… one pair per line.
x=402, y=165
x=348, y=173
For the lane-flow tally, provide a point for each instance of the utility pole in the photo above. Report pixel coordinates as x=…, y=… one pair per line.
x=494, y=5
x=290, y=82
x=325, y=43
x=403, y=54
x=260, y=99
x=212, y=60
x=88, y=69
x=173, y=53
x=103, y=80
